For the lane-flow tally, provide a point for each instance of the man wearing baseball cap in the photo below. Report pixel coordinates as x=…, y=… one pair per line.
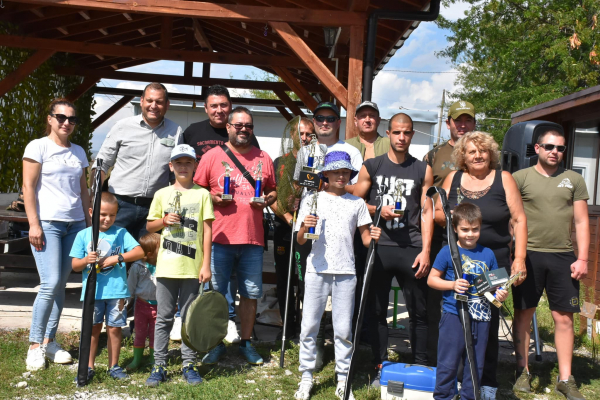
x=368, y=141
x=460, y=120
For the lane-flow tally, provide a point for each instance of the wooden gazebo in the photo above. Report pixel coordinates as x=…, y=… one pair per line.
x=283, y=37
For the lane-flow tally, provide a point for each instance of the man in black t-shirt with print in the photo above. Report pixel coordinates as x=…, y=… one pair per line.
x=205, y=135
x=404, y=248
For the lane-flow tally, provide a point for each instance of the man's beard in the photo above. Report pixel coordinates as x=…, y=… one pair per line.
x=241, y=142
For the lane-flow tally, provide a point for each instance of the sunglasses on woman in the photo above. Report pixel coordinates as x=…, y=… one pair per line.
x=329, y=118
x=61, y=118
x=550, y=147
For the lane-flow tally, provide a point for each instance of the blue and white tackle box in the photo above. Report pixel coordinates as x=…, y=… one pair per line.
x=401, y=381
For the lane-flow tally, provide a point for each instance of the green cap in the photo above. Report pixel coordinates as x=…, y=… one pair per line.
x=459, y=108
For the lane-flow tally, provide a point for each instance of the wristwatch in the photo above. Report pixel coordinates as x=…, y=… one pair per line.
x=120, y=258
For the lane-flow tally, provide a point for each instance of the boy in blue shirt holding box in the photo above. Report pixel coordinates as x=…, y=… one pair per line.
x=115, y=247
x=476, y=260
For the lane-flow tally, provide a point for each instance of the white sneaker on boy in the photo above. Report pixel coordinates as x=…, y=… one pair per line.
x=56, y=354
x=232, y=333
x=339, y=391
x=303, y=392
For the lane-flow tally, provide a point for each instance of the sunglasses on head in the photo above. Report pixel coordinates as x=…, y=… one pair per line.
x=329, y=118
x=61, y=118
x=238, y=127
x=550, y=147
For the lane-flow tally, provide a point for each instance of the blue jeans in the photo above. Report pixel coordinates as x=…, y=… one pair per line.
x=111, y=311
x=54, y=267
x=247, y=262
x=133, y=218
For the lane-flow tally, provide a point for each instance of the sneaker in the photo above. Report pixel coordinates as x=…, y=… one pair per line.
x=303, y=392
x=339, y=391
x=191, y=374
x=251, y=354
x=158, y=375
x=56, y=354
x=375, y=383
x=213, y=356
x=90, y=375
x=488, y=393
x=569, y=389
x=232, y=333
x=176, y=331
x=522, y=382
x=36, y=358
x=118, y=373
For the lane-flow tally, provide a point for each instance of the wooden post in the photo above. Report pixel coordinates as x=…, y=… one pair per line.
x=111, y=111
x=313, y=62
x=205, y=74
x=31, y=64
x=80, y=90
x=355, y=66
x=289, y=103
x=166, y=33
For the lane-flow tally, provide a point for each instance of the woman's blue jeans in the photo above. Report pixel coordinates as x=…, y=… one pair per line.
x=54, y=266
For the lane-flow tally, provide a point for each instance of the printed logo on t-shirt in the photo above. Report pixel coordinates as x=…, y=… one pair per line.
x=69, y=162
x=479, y=308
x=566, y=183
x=104, y=249
x=388, y=198
x=180, y=240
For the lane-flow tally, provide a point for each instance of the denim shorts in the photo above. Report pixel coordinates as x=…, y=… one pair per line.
x=108, y=311
x=246, y=260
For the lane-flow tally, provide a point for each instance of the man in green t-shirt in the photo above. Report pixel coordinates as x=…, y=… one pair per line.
x=368, y=142
x=552, y=197
x=461, y=119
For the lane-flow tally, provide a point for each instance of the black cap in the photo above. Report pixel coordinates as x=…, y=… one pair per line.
x=326, y=105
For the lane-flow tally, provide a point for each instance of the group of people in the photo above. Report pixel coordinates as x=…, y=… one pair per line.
x=205, y=190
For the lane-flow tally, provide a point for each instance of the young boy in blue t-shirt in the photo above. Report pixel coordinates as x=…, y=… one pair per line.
x=115, y=247
x=476, y=260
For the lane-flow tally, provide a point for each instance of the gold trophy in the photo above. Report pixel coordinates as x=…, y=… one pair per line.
x=258, y=189
x=227, y=182
x=492, y=297
x=176, y=207
x=313, y=211
x=398, y=191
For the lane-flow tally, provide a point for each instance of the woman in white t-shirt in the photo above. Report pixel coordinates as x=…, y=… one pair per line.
x=56, y=198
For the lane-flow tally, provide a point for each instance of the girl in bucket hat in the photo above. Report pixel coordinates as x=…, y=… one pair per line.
x=330, y=266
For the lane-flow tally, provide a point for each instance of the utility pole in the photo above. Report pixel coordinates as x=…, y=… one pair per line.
x=439, y=135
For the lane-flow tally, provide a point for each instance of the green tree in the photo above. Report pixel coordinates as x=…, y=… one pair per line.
x=514, y=54
x=266, y=94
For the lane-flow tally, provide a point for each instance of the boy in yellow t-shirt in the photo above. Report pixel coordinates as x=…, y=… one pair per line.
x=184, y=212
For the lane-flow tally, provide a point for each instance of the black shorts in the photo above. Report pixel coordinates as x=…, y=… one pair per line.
x=550, y=271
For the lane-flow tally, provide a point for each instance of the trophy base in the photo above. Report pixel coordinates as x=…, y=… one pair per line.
x=311, y=236
x=308, y=169
x=257, y=200
x=227, y=197
x=490, y=297
x=461, y=297
x=399, y=212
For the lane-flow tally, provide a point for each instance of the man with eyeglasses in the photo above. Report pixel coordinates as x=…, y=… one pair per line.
x=327, y=124
x=238, y=235
x=139, y=150
x=368, y=142
x=553, y=197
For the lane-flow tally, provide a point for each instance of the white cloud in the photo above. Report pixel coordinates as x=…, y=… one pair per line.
x=455, y=11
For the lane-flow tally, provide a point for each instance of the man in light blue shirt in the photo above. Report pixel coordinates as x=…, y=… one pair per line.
x=138, y=149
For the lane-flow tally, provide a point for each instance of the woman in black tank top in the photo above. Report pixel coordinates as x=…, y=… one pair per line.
x=495, y=192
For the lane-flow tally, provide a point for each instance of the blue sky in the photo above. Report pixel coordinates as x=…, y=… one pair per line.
x=391, y=89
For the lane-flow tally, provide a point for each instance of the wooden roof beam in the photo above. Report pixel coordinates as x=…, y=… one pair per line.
x=283, y=96
x=31, y=64
x=355, y=68
x=153, y=54
x=234, y=12
x=123, y=101
x=116, y=29
x=200, y=35
x=86, y=84
x=300, y=89
x=288, y=117
x=318, y=68
x=166, y=33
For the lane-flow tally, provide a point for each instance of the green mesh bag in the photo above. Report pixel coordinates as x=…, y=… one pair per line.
x=204, y=320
